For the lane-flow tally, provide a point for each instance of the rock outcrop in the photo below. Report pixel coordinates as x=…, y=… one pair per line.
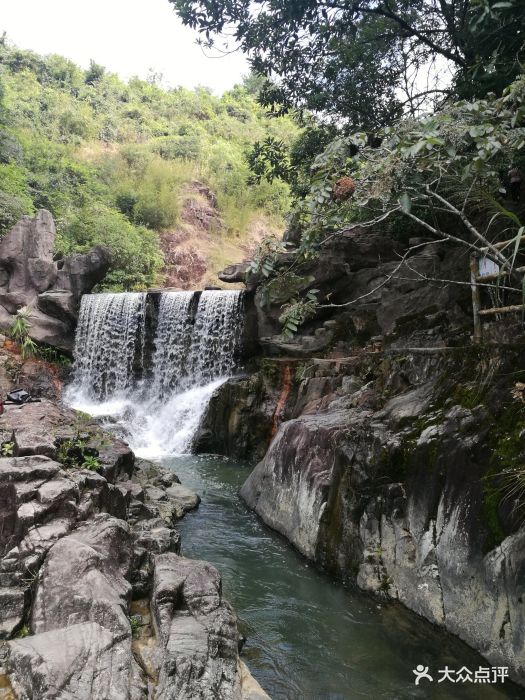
x=86, y=538
x=404, y=497
x=50, y=290
x=395, y=439
x=196, y=631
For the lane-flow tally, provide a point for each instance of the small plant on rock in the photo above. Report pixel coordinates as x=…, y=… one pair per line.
x=74, y=453
x=385, y=584
x=90, y=462
x=298, y=312
x=52, y=355
x=7, y=449
x=135, y=622
x=19, y=330
x=29, y=347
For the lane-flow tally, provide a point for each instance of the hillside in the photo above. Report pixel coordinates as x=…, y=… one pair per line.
x=125, y=165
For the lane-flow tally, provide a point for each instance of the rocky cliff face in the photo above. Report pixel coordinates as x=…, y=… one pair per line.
x=51, y=290
x=395, y=450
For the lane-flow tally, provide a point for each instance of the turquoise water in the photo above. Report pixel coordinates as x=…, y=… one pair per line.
x=308, y=637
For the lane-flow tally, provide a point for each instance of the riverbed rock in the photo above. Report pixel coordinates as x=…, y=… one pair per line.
x=239, y=418
x=184, y=497
x=83, y=661
x=196, y=631
x=85, y=579
x=289, y=487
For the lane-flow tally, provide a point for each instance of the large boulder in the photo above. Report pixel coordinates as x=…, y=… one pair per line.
x=83, y=661
x=51, y=290
x=81, y=646
x=26, y=261
x=196, y=630
x=79, y=273
x=390, y=476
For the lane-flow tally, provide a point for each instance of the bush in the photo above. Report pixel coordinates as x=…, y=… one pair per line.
x=11, y=209
x=136, y=252
x=186, y=147
x=158, y=194
x=111, y=160
x=10, y=148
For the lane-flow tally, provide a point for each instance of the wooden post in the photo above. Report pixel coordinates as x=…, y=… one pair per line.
x=476, y=301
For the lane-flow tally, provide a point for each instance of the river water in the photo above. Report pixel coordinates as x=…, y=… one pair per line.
x=308, y=637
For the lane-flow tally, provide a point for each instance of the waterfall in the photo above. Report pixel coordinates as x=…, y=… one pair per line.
x=172, y=342
x=157, y=409
x=109, y=343
x=215, y=336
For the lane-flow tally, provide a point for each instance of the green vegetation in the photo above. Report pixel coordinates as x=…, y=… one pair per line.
x=74, y=453
x=422, y=110
x=111, y=160
x=356, y=60
x=135, y=622
x=19, y=332
x=7, y=449
x=442, y=174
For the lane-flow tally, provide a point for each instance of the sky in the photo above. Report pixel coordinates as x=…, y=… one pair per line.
x=128, y=37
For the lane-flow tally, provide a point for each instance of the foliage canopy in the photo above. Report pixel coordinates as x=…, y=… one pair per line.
x=360, y=62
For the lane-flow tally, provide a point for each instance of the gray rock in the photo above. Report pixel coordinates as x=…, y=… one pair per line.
x=32, y=488
x=239, y=419
x=59, y=304
x=151, y=537
x=289, y=488
x=29, y=277
x=37, y=506
x=250, y=689
x=36, y=426
x=84, y=579
x=26, y=255
x=395, y=497
x=234, y=273
x=196, y=630
x=13, y=605
x=186, y=498
x=79, y=273
x=408, y=405
x=84, y=661
x=170, y=503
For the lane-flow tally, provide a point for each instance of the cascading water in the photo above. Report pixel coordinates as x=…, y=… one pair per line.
x=194, y=353
x=215, y=337
x=110, y=334
x=172, y=343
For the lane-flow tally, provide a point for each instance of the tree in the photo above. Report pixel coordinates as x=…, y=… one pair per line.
x=442, y=176
x=94, y=73
x=360, y=62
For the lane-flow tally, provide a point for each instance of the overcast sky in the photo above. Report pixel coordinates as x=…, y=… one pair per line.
x=129, y=37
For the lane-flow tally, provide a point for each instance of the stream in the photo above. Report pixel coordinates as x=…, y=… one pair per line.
x=308, y=637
